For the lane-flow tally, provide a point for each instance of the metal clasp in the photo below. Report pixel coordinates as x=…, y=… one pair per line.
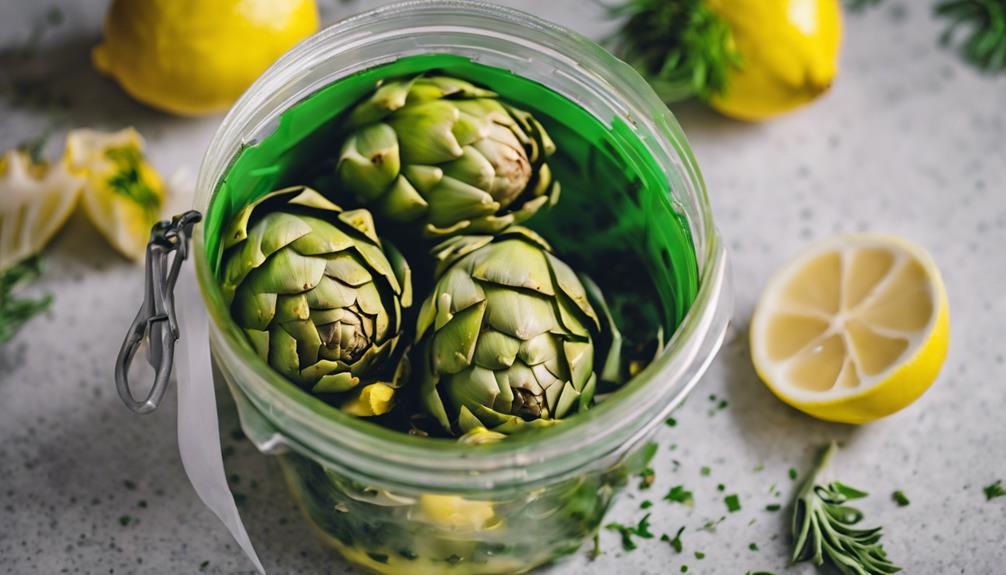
x=155, y=322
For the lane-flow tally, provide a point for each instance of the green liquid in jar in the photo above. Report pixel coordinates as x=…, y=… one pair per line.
x=614, y=221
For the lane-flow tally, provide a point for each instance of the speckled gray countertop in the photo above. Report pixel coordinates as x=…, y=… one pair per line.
x=909, y=141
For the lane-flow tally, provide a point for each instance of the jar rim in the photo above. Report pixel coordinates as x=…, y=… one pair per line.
x=373, y=453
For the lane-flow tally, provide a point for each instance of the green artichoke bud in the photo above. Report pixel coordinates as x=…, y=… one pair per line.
x=447, y=154
x=508, y=336
x=318, y=296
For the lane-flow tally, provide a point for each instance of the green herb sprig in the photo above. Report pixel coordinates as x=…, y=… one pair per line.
x=985, y=44
x=824, y=527
x=681, y=46
x=15, y=311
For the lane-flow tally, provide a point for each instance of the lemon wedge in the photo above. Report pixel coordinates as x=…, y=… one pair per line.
x=35, y=201
x=123, y=194
x=853, y=329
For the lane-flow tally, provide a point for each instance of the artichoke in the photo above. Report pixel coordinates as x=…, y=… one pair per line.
x=317, y=296
x=508, y=336
x=447, y=154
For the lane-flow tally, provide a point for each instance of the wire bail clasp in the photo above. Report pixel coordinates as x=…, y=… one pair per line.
x=155, y=322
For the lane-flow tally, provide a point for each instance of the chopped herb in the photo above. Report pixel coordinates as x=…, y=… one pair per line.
x=676, y=541
x=722, y=404
x=733, y=503
x=204, y=565
x=994, y=490
x=684, y=568
x=721, y=487
x=900, y=498
x=759, y=468
x=711, y=524
x=712, y=397
x=673, y=446
x=642, y=530
x=700, y=555
x=753, y=546
x=773, y=507
x=646, y=504
x=678, y=494
x=792, y=474
x=705, y=471
x=14, y=311
x=671, y=422
x=675, y=465
x=125, y=520
x=647, y=477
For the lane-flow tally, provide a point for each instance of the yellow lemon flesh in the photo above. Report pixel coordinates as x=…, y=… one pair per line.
x=194, y=57
x=789, y=54
x=123, y=195
x=853, y=329
x=35, y=202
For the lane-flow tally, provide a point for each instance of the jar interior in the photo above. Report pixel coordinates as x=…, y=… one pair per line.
x=615, y=220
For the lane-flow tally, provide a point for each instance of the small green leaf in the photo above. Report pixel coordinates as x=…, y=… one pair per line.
x=900, y=498
x=705, y=471
x=733, y=503
x=994, y=490
x=773, y=507
x=678, y=494
x=675, y=542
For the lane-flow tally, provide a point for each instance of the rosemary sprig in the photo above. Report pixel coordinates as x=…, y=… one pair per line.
x=681, y=46
x=15, y=312
x=823, y=527
x=985, y=44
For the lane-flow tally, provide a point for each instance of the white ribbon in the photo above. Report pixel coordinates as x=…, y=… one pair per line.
x=198, y=430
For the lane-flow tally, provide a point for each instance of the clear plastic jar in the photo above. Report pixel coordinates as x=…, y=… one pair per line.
x=401, y=504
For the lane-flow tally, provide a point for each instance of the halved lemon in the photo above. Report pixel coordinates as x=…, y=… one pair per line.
x=123, y=194
x=36, y=199
x=853, y=329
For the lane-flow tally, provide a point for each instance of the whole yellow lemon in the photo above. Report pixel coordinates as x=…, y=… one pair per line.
x=788, y=50
x=194, y=57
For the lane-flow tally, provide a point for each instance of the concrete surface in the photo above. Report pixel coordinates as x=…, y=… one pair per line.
x=909, y=141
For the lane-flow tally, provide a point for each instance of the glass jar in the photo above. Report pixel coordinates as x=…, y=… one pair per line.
x=395, y=503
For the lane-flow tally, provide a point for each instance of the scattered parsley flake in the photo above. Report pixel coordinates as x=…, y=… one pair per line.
x=204, y=565
x=646, y=504
x=678, y=494
x=759, y=468
x=722, y=404
x=710, y=525
x=900, y=498
x=712, y=397
x=125, y=520
x=994, y=490
x=733, y=503
x=642, y=530
x=673, y=446
x=700, y=555
x=684, y=568
x=671, y=422
x=753, y=546
x=792, y=473
x=773, y=507
x=647, y=477
x=676, y=543
x=721, y=487
x=705, y=471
